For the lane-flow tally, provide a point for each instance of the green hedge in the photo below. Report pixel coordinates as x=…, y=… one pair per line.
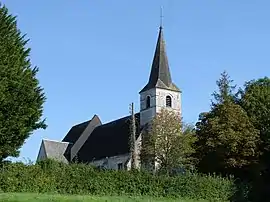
x=53, y=177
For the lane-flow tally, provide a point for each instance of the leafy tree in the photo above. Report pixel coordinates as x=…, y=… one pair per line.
x=227, y=140
x=255, y=99
x=21, y=98
x=168, y=142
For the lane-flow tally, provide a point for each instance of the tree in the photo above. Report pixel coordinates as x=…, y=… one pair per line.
x=21, y=98
x=255, y=99
x=227, y=139
x=168, y=142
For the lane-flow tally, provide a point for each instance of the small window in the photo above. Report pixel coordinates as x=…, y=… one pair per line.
x=147, y=102
x=168, y=101
x=120, y=166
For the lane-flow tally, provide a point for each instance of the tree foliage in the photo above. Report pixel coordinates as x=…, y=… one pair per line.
x=21, y=98
x=227, y=139
x=255, y=99
x=169, y=142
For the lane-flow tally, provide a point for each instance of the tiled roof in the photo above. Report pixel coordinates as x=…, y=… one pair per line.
x=108, y=140
x=56, y=150
x=75, y=132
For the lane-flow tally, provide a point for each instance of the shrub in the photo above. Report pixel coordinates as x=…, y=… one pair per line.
x=52, y=177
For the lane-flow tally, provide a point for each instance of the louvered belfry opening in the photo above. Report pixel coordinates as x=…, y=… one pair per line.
x=148, y=102
x=168, y=101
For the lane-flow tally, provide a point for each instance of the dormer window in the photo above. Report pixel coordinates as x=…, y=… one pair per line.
x=168, y=101
x=148, y=102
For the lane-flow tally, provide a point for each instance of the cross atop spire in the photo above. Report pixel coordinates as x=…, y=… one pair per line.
x=161, y=18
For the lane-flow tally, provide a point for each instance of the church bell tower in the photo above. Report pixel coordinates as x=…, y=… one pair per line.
x=160, y=92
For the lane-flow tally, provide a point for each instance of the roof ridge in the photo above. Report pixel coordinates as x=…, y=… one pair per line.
x=44, y=139
x=124, y=117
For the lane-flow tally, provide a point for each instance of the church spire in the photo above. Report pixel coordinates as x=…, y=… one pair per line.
x=160, y=76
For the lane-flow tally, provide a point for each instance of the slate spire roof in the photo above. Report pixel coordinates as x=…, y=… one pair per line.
x=160, y=76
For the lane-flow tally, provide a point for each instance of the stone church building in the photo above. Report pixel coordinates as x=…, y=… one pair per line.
x=107, y=144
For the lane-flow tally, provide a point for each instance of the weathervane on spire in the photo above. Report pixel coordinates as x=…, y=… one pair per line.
x=161, y=17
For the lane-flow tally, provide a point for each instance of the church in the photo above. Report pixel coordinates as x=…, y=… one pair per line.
x=107, y=144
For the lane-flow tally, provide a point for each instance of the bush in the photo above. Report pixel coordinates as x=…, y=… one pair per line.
x=53, y=177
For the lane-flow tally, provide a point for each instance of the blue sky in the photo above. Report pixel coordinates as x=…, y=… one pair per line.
x=94, y=56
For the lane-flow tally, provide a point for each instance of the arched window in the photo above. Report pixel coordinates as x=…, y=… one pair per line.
x=168, y=101
x=147, y=101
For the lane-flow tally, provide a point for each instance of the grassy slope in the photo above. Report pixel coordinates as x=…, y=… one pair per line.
x=21, y=197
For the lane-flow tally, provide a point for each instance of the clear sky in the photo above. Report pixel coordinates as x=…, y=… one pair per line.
x=95, y=56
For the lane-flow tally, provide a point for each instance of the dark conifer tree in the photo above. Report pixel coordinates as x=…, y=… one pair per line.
x=21, y=97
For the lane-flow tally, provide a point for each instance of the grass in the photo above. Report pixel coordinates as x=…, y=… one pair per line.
x=27, y=197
